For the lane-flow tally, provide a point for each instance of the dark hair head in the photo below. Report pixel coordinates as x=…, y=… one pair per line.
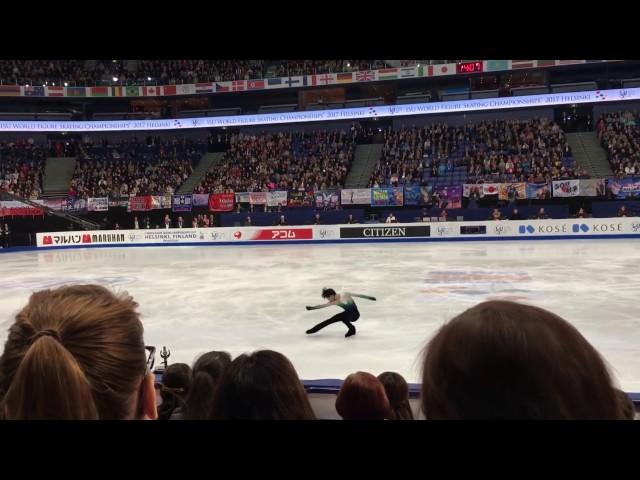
x=261, y=386
x=328, y=292
x=176, y=384
x=74, y=353
x=206, y=373
x=362, y=397
x=397, y=390
x=505, y=360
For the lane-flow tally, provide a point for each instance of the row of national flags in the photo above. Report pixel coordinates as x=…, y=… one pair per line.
x=396, y=73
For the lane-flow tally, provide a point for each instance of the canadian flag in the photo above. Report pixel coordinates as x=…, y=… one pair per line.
x=150, y=91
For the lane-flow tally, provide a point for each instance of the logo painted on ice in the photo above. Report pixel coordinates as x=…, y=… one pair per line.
x=577, y=227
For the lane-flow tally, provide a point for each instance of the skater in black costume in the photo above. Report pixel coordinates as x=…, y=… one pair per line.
x=344, y=301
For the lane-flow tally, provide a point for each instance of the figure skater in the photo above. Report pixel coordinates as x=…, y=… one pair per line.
x=344, y=301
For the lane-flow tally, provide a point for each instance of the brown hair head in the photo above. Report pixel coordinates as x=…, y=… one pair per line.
x=176, y=385
x=206, y=374
x=261, y=386
x=362, y=397
x=73, y=353
x=397, y=390
x=506, y=360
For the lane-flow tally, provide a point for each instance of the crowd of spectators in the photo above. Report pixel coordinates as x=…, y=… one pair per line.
x=22, y=168
x=619, y=135
x=491, y=151
x=133, y=167
x=194, y=71
x=59, y=72
x=293, y=161
x=77, y=353
x=310, y=67
x=166, y=72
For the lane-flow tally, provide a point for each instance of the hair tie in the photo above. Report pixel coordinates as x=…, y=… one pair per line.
x=45, y=333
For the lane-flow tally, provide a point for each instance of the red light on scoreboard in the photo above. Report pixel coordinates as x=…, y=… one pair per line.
x=469, y=67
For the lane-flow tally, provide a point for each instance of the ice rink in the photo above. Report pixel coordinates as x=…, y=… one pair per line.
x=244, y=298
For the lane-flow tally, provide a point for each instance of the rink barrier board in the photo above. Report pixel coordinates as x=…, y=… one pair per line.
x=331, y=386
x=551, y=229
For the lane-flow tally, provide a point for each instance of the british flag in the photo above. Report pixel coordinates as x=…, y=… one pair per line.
x=366, y=76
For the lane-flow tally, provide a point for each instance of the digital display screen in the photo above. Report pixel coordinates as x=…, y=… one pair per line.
x=469, y=67
x=473, y=230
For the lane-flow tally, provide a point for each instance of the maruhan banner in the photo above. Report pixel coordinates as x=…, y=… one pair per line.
x=545, y=100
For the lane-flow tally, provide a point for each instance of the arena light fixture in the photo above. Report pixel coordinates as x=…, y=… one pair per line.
x=149, y=79
x=115, y=79
x=66, y=84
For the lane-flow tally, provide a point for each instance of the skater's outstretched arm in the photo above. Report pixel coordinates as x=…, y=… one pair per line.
x=324, y=305
x=362, y=296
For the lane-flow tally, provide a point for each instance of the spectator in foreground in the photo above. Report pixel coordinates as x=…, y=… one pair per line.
x=261, y=386
x=515, y=215
x=391, y=218
x=176, y=385
x=505, y=360
x=496, y=215
x=362, y=397
x=282, y=221
x=206, y=374
x=76, y=353
x=397, y=392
